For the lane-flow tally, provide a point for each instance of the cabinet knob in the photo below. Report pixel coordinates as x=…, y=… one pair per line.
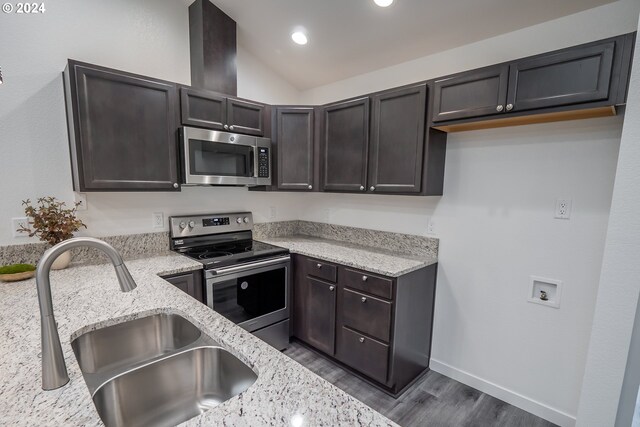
x=364, y=278
x=361, y=339
x=231, y=127
x=331, y=288
x=226, y=127
x=372, y=188
x=175, y=185
x=310, y=187
x=319, y=265
x=509, y=107
x=364, y=299
x=499, y=108
x=362, y=188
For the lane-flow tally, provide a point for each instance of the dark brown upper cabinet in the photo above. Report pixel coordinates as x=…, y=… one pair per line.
x=345, y=145
x=211, y=110
x=471, y=94
x=122, y=130
x=245, y=116
x=201, y=108
x=397, y=140
x=573, y=76
x=295, y=128
x=578, y=82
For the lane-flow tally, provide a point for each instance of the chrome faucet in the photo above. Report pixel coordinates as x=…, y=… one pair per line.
x=54, y=370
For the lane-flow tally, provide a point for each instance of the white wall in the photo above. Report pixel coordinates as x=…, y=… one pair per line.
x=496, y=225
x=148, y=37
x=619, y=285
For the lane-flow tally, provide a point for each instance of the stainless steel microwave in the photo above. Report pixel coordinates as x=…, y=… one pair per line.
x=211, y=157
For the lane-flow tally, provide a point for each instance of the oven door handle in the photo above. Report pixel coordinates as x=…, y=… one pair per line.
x=245, y=267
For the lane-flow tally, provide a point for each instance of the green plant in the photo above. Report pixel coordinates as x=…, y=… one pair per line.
x=50, y=220
x=17, y=268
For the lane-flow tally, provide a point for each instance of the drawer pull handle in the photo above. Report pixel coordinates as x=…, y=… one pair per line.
x=331, y=288
x=361, y=339
x=364, y=278
x=364, y=299
x=319, y=265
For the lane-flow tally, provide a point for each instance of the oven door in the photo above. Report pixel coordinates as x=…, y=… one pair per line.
x=252, y=295
x=218, y=158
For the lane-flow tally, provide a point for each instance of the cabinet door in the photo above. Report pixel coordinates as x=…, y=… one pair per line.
x=122, y=130
x=245, y=117
x=190, y=283
x=321, y=315
x=294, y=138
x=471, y=94
x=570, y=76
x=397, y=140
x=202, y=108
x=346, y=145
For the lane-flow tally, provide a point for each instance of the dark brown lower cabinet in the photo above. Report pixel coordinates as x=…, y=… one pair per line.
x=190, y=283
x=379, y=327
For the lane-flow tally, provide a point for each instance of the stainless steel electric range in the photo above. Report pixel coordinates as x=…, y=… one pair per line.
x=245, y=280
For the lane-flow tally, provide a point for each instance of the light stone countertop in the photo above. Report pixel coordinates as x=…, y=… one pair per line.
x=387, y=263
x=88, y=297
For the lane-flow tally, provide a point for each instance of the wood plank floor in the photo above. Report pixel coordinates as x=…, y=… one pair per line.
x=433, y=401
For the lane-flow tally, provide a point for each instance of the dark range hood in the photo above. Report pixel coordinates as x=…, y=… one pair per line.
x=212, y=39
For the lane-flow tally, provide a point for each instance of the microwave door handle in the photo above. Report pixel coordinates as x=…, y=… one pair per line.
x=252, y=161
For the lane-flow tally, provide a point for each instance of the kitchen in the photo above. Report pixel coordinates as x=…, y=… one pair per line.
x=485, y=213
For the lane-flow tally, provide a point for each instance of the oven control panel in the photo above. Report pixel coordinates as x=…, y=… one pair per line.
x=202, y=225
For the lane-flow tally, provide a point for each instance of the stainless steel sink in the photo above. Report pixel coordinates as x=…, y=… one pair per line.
x=173, y=390
x=131, y=342
x=159, y=370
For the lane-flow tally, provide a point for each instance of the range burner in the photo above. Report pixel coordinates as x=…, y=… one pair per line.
x=212, y=254
x=219, y=239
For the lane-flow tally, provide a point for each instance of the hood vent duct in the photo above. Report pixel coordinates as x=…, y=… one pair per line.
x=212, y=38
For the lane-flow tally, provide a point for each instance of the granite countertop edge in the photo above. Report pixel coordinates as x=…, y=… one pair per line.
x=374, y=260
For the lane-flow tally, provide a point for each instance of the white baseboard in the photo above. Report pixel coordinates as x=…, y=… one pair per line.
x=553, y=415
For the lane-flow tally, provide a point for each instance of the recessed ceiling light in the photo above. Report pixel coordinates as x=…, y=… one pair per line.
x=383, y=3
x=299, y=37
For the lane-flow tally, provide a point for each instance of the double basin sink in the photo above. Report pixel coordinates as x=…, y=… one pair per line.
x=158, y=370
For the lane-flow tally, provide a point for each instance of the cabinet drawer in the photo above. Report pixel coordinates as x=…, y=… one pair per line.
x=366, y=314
x=364, y=354
x=322, y=270
x=364, y=282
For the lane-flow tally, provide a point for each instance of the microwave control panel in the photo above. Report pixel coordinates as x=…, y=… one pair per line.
x=263, y=162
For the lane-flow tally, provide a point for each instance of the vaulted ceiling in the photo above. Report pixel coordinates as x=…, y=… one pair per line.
x=350, y=37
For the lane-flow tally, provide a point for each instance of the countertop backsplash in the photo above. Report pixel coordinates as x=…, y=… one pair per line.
x=129, y=246
x=396, y=242
x=134, y=246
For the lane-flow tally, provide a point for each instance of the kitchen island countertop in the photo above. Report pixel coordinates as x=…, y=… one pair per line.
x=88, y=297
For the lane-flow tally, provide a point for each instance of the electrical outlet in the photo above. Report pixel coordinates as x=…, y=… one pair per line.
x=563, y=209
x=82, y=199
x=158, y=219
x=17, y=223
x=431, y=226
x=273, y=212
